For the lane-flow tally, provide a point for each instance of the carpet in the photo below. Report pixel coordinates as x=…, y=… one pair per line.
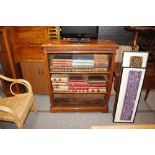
x=46, y=120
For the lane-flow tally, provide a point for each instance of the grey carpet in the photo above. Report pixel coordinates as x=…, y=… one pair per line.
x=46, y=120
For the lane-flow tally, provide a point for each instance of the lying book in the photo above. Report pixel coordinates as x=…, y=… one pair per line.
x=81, y=57
x=96, y=90
x=76, y=78
x=59, y=78
x=59, y=84
x=82, y=64
x=78, y=91
x=103, y=84
x=62, y=56
x=94, y=79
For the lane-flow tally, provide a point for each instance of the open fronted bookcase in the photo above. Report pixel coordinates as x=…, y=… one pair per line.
x=79, y=75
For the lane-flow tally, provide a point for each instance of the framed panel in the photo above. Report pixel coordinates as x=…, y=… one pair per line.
x=135, y=59
x=129, y=94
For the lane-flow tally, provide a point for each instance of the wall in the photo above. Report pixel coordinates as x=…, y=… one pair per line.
x=116, y=33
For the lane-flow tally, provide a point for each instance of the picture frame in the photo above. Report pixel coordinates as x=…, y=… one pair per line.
x=129, y=94
x=139, y=57
x=132, y=76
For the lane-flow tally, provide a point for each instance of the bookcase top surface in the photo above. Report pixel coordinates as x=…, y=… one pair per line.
x=93, y=43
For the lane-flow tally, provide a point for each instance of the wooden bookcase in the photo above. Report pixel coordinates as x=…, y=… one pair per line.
x=80, y=101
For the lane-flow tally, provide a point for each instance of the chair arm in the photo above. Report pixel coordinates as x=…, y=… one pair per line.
x=6, y=109
x=15, y=81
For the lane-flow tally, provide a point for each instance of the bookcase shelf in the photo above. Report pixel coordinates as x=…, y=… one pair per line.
x=106, y=72
x=79, y=91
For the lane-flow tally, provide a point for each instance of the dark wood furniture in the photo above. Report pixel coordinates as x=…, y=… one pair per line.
x=80, y=102
x=7, y=59
x=145, y=39
x=149, y=80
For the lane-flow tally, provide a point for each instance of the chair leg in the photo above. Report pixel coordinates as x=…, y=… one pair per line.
x=146, y=95
x=20, y=126
x=34, y=106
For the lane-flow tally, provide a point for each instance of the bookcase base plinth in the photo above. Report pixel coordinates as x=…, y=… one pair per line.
x=80, y=108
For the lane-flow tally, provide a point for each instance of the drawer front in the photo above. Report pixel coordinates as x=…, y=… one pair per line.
x=30, y=51
x=30, y=34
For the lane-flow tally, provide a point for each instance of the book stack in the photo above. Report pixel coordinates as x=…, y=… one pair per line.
x=60, y=82
x=77, y=84
x=96, y=84
x=100, y=62
x=61, y=62
x=83, y=62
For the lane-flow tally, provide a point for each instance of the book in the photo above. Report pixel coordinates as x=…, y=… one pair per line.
x=61, y=87
x=62, y=56
x=101, y=84
x=83, y=57
x=94, y=90
x=95, y=79
x=76, y=78
x=79, y=91
x=59, y=83
x=59, y=78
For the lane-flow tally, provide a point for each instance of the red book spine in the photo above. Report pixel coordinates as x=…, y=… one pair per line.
x=78, y=85
x=78, y=88
x=96, y=85
x=77, y=80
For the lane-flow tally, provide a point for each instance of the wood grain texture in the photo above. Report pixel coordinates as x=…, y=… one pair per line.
x=133, y=126
x=34, y=72
x=102, y=47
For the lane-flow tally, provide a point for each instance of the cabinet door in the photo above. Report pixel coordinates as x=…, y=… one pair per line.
x=34, y=72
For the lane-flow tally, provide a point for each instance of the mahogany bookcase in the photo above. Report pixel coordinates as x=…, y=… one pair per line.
x=80, y=101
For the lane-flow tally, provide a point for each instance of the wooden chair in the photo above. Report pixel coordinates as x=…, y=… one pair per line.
x=16, y=108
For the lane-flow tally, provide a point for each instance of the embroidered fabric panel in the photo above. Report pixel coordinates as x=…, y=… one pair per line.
x=136, y=61
x=131, y=93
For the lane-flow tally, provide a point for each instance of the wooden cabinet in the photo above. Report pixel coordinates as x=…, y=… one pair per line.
x=7, y=59
x=20, y=44
x=66, y=100
x=30, y=34
x=27, y=41
x=34, y=72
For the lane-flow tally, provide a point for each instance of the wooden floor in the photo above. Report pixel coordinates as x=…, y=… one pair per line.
x=132, y=126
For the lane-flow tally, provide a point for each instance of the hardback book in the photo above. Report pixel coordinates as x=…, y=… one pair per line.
x=60, y=87
x=62, y=56
x=62, y=64
x=77, y=84
x=93, y=90
x=98, y=84
x=68, y=69
x=95, y=79
x=78, y=88
x=81, y=64
x=59, y=78
x=76, y=78
x=83, y=57
x=59, y=83
x=100, y=69
x=53, y=67
x=101, y=60
x=79, y=91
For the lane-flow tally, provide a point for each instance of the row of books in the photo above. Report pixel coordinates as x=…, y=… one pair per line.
x=79, y=62
x=74, y=83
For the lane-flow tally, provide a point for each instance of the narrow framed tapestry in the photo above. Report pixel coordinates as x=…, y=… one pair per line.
x=132, y=76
